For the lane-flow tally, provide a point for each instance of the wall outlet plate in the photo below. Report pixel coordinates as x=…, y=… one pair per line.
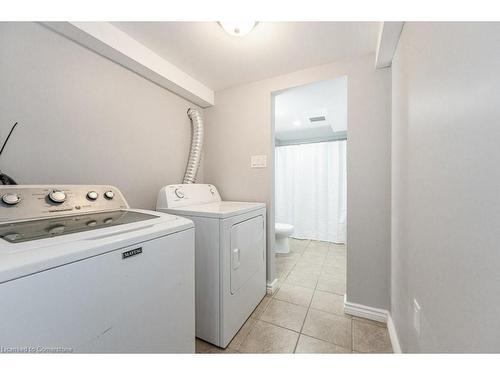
x=258, y=161
x=417, y=317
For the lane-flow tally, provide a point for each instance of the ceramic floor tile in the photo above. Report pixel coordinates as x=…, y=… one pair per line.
x=329, y=327
x=261, y=307
x=337, y=248
x=282, y=271
x=290, y=254
x=242, y=334
x=283, y=268
x=331, y=285
x=298, y=246
x=307, y=280
x=336, y=254
x=273, y=326
x=319, y=252
x=285, y=314
x=332, y=273
x=268, y=338
x=203, y=347
x=334, y=268
x=282, y=277
x=295, y=294
x=336, y=261
x=328, y=302
x=369, y=321
x=290, y=257
x=318, y=245
x=286, y=262
x=370, y=338
x=311, y=299
x=311, y=345
x=304, y=267
x=339, y=254
x=313, y=258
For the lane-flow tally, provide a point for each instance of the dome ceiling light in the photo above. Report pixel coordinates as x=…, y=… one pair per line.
x=240, y=28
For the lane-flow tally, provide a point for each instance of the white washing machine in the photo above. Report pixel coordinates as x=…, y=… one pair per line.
x=230, y=257
x=82, y=272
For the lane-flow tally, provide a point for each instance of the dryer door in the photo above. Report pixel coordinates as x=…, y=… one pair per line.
x=247, y=250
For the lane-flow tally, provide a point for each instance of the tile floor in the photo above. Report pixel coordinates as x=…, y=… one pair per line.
x=306, y=314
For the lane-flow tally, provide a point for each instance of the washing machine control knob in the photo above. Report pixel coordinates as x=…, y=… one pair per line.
x=57, y=196
x=11, y=199
x=92, y=195
x=179, y=193
x=109, y=194
x=92, y=223
x=56, y=230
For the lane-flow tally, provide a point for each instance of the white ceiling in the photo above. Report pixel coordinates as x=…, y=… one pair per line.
x=204, y=51
x=294, y=107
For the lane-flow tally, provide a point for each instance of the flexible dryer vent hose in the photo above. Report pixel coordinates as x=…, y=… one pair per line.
x=196, y=146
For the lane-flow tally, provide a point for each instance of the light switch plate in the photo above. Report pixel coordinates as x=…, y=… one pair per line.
x=258, y=161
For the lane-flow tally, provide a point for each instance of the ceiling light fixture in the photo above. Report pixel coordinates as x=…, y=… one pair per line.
x=240, y=28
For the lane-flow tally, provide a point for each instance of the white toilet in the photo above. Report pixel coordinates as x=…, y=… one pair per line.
x=283, y=232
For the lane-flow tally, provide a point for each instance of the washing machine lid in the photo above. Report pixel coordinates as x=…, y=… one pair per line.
x=21, y=258
x=38, y=229
x=220, y=210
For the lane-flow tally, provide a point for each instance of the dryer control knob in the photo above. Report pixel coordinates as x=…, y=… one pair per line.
x=109, y=194
x=179, y=193
x=57, y=196
x=11, y=199
x=92, y=195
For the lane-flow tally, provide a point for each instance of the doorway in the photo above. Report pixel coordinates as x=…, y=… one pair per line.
x=310, y=185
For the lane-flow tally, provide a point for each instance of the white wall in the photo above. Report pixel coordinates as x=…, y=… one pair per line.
x=239, y=125
x=445, y=186
x=86, y=120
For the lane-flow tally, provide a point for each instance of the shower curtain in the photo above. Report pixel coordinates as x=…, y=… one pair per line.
x=311, y=190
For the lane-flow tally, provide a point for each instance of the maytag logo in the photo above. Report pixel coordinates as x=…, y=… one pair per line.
x=131, y=253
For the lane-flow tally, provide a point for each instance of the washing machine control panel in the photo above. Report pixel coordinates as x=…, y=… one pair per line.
x=172, y=196
x=20, y=202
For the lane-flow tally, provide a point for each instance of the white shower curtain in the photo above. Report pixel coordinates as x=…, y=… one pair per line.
x=311, y=190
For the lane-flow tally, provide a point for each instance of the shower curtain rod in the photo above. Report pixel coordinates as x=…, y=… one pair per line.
x=338, y=136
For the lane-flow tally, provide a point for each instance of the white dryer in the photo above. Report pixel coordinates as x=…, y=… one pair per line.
x=230, y=257
x=82, y=272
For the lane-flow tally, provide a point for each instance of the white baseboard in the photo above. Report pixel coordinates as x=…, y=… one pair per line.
x=396, y=348
x=366, y=312
x=272, y=287
x=379, y=315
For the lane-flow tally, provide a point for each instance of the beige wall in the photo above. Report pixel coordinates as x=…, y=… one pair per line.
x=445, y=184
x=86, y=120
x=239, y=125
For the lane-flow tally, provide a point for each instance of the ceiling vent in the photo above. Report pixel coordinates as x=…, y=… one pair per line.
x=317, y=119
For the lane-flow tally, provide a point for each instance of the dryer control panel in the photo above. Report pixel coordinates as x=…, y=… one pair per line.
x=173, y=196
x=24, y=202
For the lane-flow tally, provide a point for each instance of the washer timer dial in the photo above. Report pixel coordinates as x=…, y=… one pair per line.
x=57, y=196
x=11, y=199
